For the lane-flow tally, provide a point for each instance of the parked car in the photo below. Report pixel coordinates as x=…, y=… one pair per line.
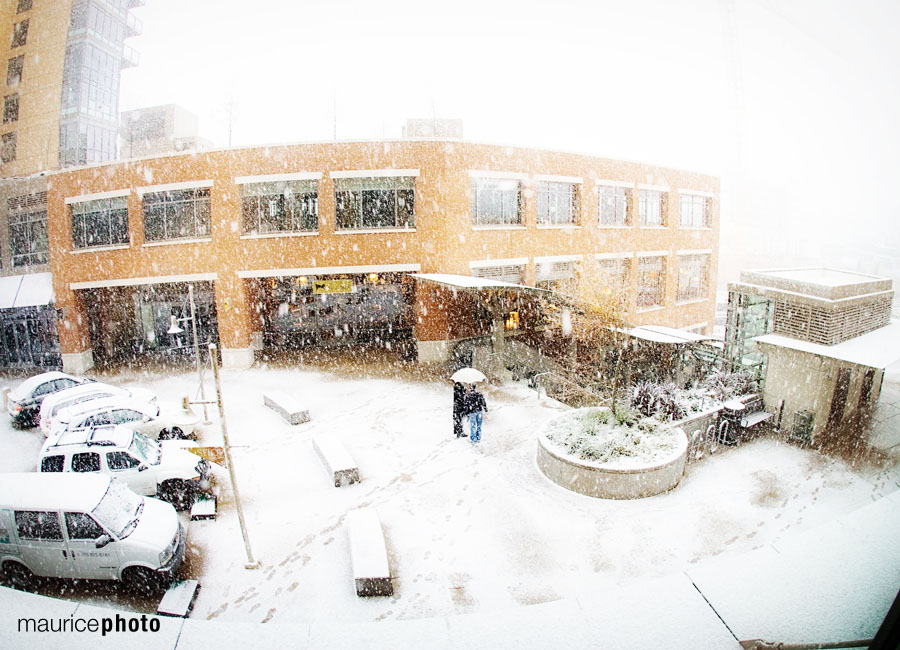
x=86, y=526
x=165, y=469
x=83, y=393
x=24, y=401
x=145, y=418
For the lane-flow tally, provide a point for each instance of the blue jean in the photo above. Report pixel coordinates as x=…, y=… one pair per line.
x=475, y=425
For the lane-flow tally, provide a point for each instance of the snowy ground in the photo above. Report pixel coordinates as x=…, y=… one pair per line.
x=467, y=528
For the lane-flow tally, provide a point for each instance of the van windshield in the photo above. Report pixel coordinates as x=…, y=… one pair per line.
x=119, y=510
x=145, y=449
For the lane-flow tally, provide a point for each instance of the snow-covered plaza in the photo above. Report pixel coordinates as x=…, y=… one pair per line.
x=469, y=529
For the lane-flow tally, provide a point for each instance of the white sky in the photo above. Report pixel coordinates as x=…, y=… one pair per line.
x=792, y=103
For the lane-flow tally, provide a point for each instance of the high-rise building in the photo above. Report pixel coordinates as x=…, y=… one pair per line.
x=63, y=62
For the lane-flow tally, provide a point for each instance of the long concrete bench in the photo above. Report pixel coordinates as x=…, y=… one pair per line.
x=286, y=406
x=337, y=460
x=371, y=572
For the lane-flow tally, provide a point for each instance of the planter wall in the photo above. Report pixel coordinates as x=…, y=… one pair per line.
x=596, y=480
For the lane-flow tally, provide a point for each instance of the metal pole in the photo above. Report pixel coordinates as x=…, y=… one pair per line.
x=213, y=356
x=197, y=353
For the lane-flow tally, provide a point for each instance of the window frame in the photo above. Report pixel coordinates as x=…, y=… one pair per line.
x=489, y=192
x=357, y=200
x=297, y=213
x=687, y=217
x=603, y=189
x=19, y=36
x=28, y=241
x=164, y=210
x=655, y=291
x=110, y=212
x=8, y=145
x=554, y=199
x=40, y=525
x=689, y=292
x=14, y=69
x=11, y=108
x=652, y=198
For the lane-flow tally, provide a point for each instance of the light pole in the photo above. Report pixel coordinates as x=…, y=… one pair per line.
x=176, y=329
x=251, y=563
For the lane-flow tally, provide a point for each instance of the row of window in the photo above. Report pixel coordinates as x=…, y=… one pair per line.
x=692, y=269
x=360, y=204
x=18, y=38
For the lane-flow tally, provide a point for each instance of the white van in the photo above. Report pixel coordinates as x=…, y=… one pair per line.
x=86, y=526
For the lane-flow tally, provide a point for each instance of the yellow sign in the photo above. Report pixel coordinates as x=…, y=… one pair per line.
x=333, y=286
x=212, y=454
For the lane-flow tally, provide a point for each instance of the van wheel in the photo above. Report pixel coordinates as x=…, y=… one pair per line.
x=141, y=580
x=179, y=493
x=19, y=575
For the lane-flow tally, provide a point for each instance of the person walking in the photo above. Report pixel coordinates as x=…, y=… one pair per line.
x=475, y=406
x=459, y=409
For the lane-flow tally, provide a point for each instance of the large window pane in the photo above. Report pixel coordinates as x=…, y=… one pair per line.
x=651, y=282
x=496, y=202
x=177, y=214
x=285, y=206
x=375, y=202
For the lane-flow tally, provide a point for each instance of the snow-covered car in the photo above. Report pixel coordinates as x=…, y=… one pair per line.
x=146, y=418
x=167, y=470
x=82, y=394
x=24, y=401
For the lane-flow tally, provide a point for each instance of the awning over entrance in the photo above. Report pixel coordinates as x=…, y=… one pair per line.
x=662, y=334
x=470, y=282
x=877, y=349
x=30, y=290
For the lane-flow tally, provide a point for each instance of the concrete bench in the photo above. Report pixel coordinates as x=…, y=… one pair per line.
x=371, y=572
x=337, y=461
x=286, y=406
x=179, y=598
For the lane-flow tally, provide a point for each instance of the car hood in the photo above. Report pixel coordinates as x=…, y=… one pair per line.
x=157, y=524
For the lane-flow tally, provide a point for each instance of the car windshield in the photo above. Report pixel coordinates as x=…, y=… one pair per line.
x=144, y=449
x=119, y=510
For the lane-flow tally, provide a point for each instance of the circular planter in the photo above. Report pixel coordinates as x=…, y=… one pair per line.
x=603, y=480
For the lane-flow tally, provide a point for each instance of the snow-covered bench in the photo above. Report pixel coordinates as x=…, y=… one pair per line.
x=337, y=460
x=754, y=413
x=286, y=406
x=371, y=572
x=179, y=598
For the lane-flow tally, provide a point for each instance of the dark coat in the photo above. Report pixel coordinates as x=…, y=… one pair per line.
x=459, y=397
x=474, y=401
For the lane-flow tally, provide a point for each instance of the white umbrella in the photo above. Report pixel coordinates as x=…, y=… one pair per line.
x=468, y=376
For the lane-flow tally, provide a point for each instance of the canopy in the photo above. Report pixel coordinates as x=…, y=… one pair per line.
x=31, y=290
x=662, y=334
x=877, y=349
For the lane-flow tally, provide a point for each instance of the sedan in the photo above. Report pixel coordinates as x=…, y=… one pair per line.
x=140, y=416
x=24, y=401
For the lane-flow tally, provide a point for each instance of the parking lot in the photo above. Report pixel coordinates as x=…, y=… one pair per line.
x=468, y=529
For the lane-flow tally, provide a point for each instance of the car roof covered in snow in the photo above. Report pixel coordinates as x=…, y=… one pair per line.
x=106, y=436
x=52, y=491
x=28, y=386
x=115, y=401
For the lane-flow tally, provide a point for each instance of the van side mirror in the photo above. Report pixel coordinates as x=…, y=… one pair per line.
x=142, y=468
x=102, y=541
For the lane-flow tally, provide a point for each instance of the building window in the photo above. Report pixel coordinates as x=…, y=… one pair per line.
x=556, y=276
x=8, y=147
x=693, y=277
x=90, y=83
x=557, y=203
x=612, y=205
x=10, y=108
x=496, y=202
x=28, y=229
x=651, y=291
x=652, y=207
x=19, y=34
x=375, y=202
x=694, y=211
x=513, y=273
x=615, y=274
x=176, y=214
x=24, y=5
x=285, y=206
x=14, y=70
x=103, y=222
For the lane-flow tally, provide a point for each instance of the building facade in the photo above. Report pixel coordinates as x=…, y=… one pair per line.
x=309, y=243
x=819, y=339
